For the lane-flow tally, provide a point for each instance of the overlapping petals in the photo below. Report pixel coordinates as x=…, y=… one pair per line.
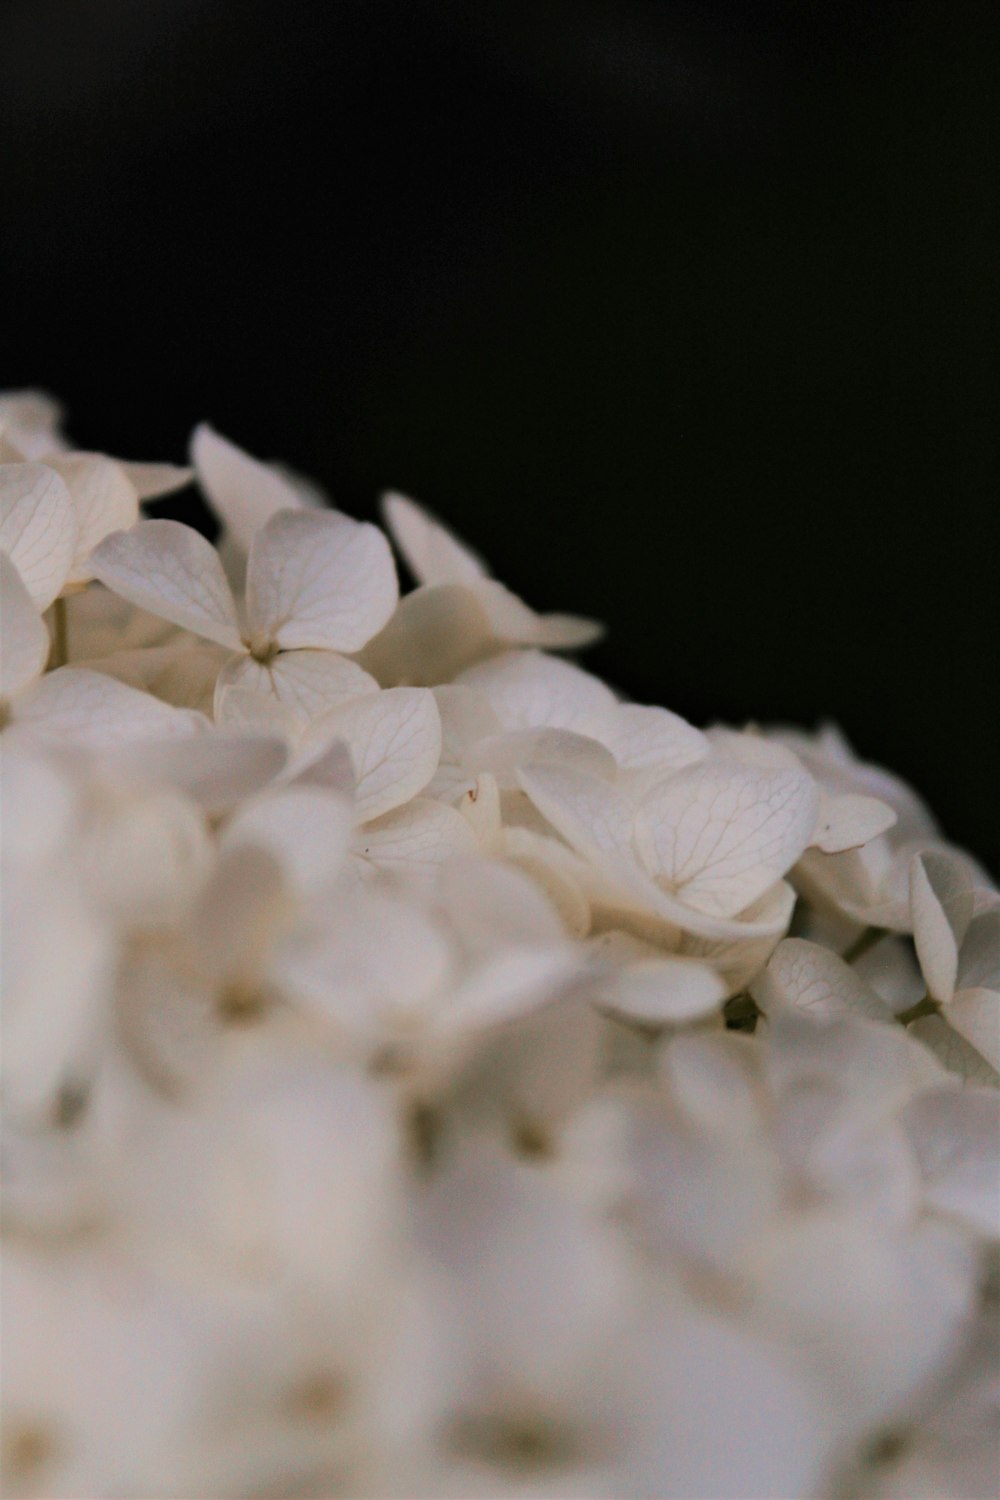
x=426, y=1073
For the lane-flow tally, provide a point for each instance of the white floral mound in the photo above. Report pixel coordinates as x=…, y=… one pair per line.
x=411, y=1085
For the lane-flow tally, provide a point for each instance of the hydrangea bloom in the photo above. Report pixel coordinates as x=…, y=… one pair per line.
x=427, y=1074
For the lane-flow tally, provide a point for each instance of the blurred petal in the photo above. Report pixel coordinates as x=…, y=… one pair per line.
x=306, y=829
x=432, y=554
x=850, y=821
x=23, y=636
x=956, y=1136
x=669, y=990
x=242, y=491
x=94, y=711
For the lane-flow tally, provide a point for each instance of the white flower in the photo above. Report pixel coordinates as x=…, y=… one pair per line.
x=318, y=585
x=426, y=1073
x=697, y=866
x=53, y=515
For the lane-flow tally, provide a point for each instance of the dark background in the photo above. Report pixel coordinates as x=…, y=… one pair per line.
x=683, y=313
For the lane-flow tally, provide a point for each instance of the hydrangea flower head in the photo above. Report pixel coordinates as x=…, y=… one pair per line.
x=427, y=1073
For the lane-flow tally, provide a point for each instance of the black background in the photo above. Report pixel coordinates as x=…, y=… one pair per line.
x=684, y=314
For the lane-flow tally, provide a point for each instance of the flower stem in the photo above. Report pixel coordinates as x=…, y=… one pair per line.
x=861, y=944
x=59, y=655
x=924, y=1007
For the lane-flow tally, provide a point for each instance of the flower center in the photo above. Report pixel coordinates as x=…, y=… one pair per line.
x=241, y=1004
x=261, y=648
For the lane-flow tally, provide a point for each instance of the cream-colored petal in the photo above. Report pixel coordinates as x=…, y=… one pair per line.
x=170, y=570
x=942, y=903
x=317, y=578
x=24, y=640
x=243, y=492
x=394, y=738
x=38, y=528
x=103, y=498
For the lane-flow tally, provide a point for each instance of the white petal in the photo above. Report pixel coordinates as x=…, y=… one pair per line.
x=941, y=906
x=24, y=640
x=716, y=1080
x=37, y=527
x=848, y=822
x=103, y=499
x=670, y=990
x=979, y=959
x=395, y=742
x=240, y=910
x=415, y=839
x=975, y=1015
x=317, y=578
x=93, y=711
x=554, y=869
x=528, y=690
x=242, y=491
x=183, y=673
x=720, y=835
x=250, y=711
x=144, y=855
x=305, y=828
x=58, y=963
x=956, y=1135
x=876, y=1311
x=807, y=977
x=330, y=767
x=645, y=738
x=150, y=481
x=434, y=633
x=216, y=770
x=953, y=1051
x=776, y=1442
x=493, y=907
x=512, y=983
x=514, y=623
x=595, y=821
x=505, y=752
x=465, y=718
x=890, y=968
x=373, y=951
x=745, y=945
x=170, y=570
x=589, y=814
x=33, y=418
x=307, y=683
x=39, y=803
x=432, y=554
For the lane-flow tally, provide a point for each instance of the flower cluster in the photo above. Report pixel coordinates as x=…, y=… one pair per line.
x=427, y=1074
